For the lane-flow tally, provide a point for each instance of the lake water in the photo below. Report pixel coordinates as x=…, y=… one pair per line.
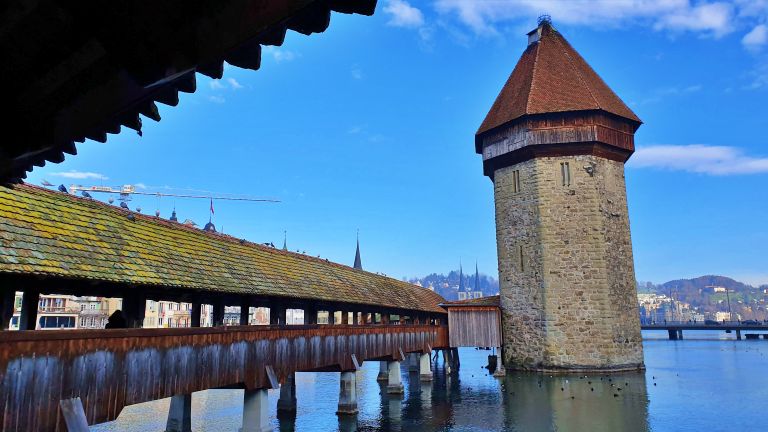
x=706, y=382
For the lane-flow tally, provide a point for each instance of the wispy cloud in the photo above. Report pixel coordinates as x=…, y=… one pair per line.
x=402, y=14
x=757, y=38
x=140, y=185
x=355, y=129
x=660, y=94
x=357, y=73
x=234, y=84
x=699, y=158
x=711, y=18
x=217, y=99
x=80, y=175
x=216, y=84
x=281, y=55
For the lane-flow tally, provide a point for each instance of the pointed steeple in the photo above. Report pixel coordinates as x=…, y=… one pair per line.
x=477, y=278
x=285, y=240
x=461, y=277
x=358, y=264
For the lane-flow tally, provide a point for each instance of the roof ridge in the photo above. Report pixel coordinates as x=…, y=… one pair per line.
x=533, y=75
x=578, y=72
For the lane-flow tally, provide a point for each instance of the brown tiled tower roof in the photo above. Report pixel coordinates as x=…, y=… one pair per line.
x=552, y=77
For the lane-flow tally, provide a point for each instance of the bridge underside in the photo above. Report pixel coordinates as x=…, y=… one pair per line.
x=110, y=369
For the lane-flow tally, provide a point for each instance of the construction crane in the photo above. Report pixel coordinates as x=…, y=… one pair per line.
x=124, y=193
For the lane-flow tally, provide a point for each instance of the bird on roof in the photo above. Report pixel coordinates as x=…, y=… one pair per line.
x=86, y=194
x=46, y=183
x=124, y=205
x=62, y=188
x=131, y=217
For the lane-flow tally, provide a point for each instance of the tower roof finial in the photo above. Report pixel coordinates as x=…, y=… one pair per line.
x=545, y=18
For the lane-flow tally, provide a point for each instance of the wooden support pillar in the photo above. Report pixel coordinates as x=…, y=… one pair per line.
x=344, y=317
x=217, y=313
x=364, y=318
x=394, y=383
x=347, y=394
x=413, y=361
x=385, y=318
x=29, y=304
x=277, y=314
x=310, y=315
x=180, y=414
x=738, y=334
x=245, y=312
x=195, y=314
x=672, y=334
x=7, y=303
x=383, y=372
x=287, y=402
x=134, y=309
x=356, y=318
x=256, y=411
x=74, y=415
x=500, y=370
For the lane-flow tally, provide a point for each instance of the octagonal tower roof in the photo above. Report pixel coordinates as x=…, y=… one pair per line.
x=551, y=77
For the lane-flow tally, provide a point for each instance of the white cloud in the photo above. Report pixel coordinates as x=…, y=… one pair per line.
x=713, y=18
x=80, y=175
x=281, y=55
x=355, y=129
x=698, y=158
x=234, y=84
x=217, y=99
x=216, y=84
x=659, y=95
x=403, y=14
x=756, y=38
x=357, y=73
x=140, y=185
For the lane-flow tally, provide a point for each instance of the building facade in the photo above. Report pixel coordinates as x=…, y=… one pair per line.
x=554, y=144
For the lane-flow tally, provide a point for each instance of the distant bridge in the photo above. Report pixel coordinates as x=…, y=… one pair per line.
x=675, y=328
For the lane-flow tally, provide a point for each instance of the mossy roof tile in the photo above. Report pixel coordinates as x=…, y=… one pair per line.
x=55, y=234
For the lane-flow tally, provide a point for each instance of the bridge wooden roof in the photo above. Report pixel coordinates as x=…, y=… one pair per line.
x=54, y=234
x=551, y=77
x=83, y=69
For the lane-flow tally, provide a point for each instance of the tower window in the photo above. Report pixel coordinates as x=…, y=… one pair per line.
x=516, y=181
x=565, y=170
x=522, y=263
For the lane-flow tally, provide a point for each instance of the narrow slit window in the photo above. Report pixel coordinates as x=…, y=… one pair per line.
x=522, y=266
x=516, y=181
x=565, y=170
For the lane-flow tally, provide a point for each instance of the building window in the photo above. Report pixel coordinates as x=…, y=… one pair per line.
x=522, y=264
x=565, y=170
x=516, y=181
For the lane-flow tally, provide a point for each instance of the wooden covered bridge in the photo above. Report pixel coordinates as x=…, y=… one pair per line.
x=53, y=242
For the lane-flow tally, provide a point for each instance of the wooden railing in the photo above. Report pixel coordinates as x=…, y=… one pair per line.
x=110, y=369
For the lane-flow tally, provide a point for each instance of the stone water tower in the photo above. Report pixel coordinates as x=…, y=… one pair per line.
x=554, y=143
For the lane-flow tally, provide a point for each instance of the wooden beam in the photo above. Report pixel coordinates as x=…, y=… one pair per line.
x=29, y=306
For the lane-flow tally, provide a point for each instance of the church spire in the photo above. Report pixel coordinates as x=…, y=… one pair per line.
x=477, y=278
x=461, y=277
x=358, y=264
x=285, y=240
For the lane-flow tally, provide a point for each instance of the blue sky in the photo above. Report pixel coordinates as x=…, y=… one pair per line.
x=370, y=126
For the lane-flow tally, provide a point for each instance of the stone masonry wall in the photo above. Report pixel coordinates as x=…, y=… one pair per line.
x=566, y=270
